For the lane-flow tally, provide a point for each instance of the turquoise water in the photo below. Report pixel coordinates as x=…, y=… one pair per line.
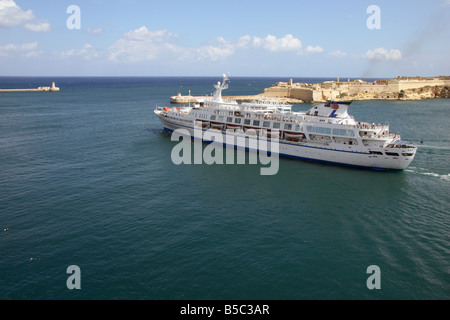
x=86, y=179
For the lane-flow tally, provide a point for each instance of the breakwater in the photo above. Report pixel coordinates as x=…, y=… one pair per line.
x=52, y=88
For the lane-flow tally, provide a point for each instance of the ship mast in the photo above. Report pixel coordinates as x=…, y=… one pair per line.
x=221, y=86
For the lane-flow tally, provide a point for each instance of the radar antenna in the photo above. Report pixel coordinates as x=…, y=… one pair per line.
x=221, y=86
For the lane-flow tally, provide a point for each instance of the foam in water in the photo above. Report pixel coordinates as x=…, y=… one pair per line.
x=425, y=172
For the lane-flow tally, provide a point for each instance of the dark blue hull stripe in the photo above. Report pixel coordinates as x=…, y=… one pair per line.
x=290, y=144
x=304, y=158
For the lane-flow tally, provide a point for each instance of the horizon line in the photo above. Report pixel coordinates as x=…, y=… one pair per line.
x=205, y=76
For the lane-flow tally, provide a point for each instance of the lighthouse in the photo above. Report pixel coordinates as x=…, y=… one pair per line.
x=54, y=87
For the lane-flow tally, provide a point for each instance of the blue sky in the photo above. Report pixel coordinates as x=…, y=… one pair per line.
x=321, y=38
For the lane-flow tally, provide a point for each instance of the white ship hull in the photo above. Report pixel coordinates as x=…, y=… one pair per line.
x=325, y=133
x=351, y=156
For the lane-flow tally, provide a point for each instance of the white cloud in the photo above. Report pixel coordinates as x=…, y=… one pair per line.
x=12, y=15
x=384, y=54
x=225, y=48
x=213, y=53
x=244, y=42
x=29, y=50
x=338, y=54
x=141, y=44
x=94, y=31
x=143, y=34
x=314, y=49
x=87, y=52
x=221, y=51
x=25, y=49
x=272, y=43
x=39, y=27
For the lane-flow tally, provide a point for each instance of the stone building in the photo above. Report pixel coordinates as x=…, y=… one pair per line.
x=398, y=88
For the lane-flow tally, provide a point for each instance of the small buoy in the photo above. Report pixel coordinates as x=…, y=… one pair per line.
x=7, y=229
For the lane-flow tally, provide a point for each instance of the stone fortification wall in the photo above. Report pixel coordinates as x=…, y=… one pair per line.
x=305, y=94
x=277, y=91
x=369, y=88
x=398, y=88
x=416, y=84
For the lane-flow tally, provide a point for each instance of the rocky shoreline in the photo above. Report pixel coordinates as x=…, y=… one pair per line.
x=400, y=88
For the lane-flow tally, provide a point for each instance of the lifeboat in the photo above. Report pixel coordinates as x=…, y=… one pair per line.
x=205, y=123
x=271, y=134
x=233, y=127
x=217, y=125
x=202, y=123
x=294, y=136
x=251, y=131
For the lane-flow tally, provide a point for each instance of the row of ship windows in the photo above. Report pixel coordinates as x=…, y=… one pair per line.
x=336, y=132
x=265, y=124
x=393, y=154
x=288, y=126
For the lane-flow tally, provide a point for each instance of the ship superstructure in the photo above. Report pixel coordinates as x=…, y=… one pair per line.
x=325, y=133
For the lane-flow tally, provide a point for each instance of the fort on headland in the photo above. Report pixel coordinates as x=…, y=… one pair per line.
x=52, y=88
x=399, y=88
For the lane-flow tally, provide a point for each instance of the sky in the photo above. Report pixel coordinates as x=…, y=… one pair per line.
x=287, y=38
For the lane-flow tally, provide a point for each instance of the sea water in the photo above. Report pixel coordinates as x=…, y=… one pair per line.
x=87, y=180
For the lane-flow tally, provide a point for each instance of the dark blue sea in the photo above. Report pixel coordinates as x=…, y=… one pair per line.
x=86, y=179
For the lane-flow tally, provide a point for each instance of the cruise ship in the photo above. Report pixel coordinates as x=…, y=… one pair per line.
x=325, y=133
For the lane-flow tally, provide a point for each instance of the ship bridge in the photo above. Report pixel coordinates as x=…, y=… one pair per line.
x=330, y=110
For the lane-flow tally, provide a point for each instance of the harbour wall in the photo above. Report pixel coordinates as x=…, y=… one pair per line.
x=28, y=90
x=52, y=88
x=400, y=88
